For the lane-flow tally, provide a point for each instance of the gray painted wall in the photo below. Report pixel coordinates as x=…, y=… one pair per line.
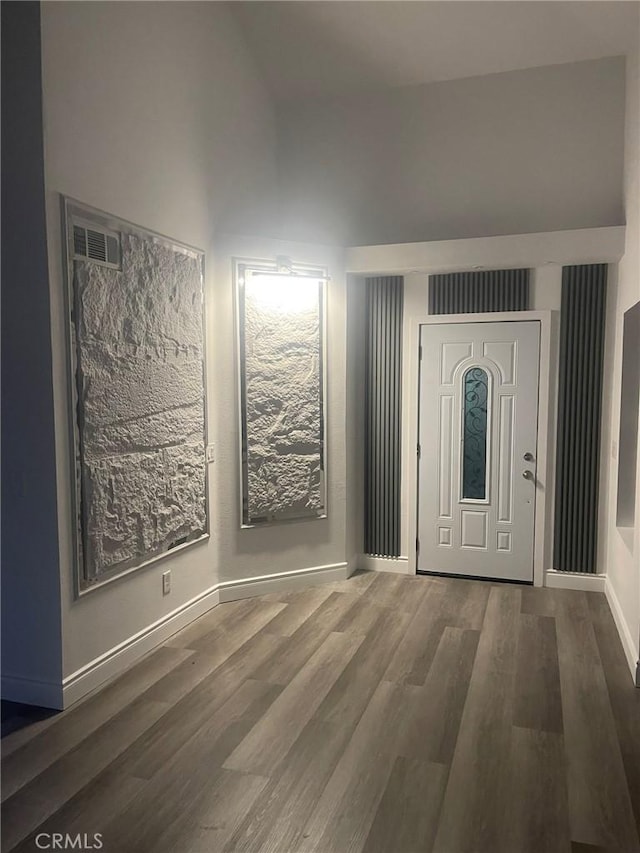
x=206, y=162
x=30, y=578
x=354, y=414
x=524, y=151
x=178, y=137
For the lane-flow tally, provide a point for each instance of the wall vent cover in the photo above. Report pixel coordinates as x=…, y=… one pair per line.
x=97, y=244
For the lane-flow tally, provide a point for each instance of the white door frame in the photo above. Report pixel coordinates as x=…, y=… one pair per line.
x=544, y=475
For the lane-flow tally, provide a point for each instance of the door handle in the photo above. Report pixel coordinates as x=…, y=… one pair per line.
x=528, y=475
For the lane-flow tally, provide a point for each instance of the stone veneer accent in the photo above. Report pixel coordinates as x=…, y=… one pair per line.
x=283, y=417
x=140, y=384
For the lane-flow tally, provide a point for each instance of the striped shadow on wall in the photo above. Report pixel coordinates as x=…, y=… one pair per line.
x=477, y=292
x=383, y=387
x=582, y=323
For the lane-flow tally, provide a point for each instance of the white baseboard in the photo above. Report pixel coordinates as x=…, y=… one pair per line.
x=399, y=565
x=282, y=582
x=574, y=580
x=47, y=694
x=631, y=651
x=125, y=654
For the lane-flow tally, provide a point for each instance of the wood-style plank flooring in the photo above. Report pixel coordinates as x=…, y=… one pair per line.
x=384, y=714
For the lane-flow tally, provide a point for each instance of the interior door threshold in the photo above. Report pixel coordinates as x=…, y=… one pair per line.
x=472, y=577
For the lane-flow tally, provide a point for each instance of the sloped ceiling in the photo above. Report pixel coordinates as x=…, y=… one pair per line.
x=331, y=47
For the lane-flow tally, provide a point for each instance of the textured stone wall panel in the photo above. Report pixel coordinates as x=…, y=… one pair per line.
x=147, y=383
x=137, y=505
x=283, y=418
x=140, y=385
x=285, y=484
x=155, y=301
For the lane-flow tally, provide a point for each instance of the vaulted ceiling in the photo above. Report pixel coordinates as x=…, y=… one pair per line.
x=334, y=47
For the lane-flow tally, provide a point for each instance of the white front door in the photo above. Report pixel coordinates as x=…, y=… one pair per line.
x=478, y=433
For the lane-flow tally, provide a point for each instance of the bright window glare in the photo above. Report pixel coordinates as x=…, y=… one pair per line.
x=286, y=294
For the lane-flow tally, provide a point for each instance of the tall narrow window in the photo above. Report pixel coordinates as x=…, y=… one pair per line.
x=475, y=386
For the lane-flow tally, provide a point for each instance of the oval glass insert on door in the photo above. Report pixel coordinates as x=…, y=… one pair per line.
x=475, y=397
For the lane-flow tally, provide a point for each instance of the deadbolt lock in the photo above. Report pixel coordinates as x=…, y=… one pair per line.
x=528, y=457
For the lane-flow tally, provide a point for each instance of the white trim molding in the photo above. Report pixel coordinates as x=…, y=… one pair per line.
x=578, y=246
x=584, y=581
x=397, y=565
x=631, y=651
x=125, y=654
x=283, y=581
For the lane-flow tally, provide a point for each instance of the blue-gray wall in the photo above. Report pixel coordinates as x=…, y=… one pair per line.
x=31, y=646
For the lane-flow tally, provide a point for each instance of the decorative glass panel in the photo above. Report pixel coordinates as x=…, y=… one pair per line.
x=475, y=385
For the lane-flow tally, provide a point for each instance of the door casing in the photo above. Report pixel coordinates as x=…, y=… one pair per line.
x=544, y=500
